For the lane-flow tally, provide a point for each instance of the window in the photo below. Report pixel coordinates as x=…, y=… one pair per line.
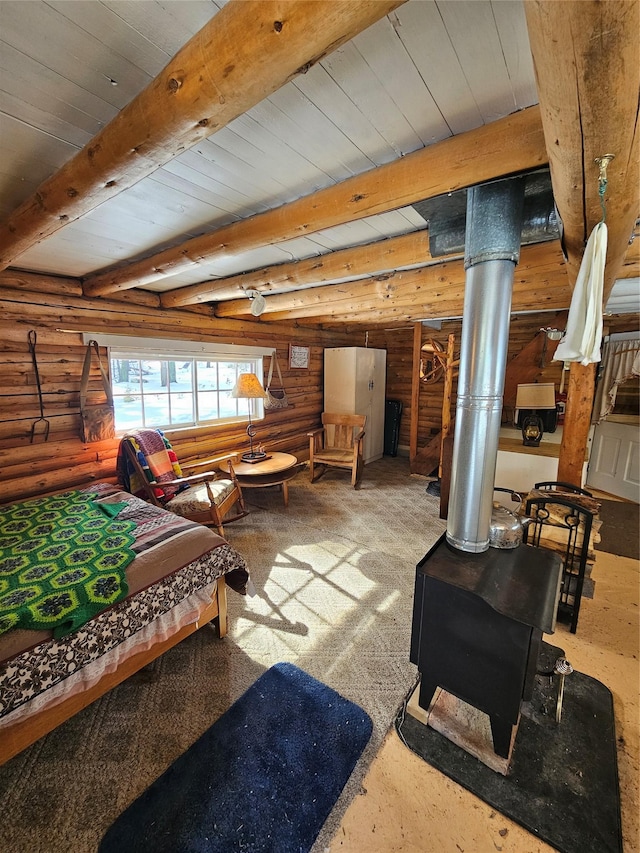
x=627, y=402
x=170, y=384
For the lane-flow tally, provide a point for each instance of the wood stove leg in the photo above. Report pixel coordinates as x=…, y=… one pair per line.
x=501, y=731
x=427, y=689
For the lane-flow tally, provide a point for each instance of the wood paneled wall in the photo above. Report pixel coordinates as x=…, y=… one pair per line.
x=524, y=331
x=56, y=310
x=399, y=346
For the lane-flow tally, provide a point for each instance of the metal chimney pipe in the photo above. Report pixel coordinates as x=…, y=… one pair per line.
x=492, y=249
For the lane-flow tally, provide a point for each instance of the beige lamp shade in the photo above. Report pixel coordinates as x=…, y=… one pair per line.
x=536, y=396
x=248, y=387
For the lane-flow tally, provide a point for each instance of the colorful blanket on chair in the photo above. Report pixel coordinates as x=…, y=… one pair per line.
x=156, y=458
x=62, y=560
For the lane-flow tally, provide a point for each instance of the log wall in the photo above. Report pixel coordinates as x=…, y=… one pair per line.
x=399, y=346
x=56, y=310
x=524, y=332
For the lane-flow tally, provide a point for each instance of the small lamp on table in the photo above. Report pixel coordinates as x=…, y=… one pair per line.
x=249, y=387
x=531, y=400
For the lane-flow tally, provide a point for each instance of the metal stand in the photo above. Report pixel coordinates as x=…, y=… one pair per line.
x=252, y=455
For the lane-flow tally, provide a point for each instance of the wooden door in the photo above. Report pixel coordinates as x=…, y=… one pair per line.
x=614, y=463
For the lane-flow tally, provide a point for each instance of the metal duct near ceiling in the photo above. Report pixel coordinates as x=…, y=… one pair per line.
x=492, y=248
x=446, y=216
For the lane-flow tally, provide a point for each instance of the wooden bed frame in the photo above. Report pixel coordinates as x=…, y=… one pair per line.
x=24, y=733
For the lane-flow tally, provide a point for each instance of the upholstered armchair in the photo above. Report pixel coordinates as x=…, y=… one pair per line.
x=149, y=468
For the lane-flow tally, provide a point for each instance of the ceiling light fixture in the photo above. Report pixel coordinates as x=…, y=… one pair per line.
x=258, y=302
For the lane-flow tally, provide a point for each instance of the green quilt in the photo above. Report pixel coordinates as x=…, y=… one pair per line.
x=62, y=560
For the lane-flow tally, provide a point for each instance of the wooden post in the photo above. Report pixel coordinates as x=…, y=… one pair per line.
x=577, y=420
x=587, y=66
x=415, y=393
x=446, y=399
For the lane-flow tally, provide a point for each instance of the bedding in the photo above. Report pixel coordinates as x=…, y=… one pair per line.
x=178, y=570
x=63, y=559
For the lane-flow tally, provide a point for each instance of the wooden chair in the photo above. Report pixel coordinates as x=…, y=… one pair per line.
x=337, y=444
x=149, y=468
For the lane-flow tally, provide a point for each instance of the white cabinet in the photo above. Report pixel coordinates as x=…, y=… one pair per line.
x=354, y=383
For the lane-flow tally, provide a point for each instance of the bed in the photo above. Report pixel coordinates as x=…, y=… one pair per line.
x=175, y=581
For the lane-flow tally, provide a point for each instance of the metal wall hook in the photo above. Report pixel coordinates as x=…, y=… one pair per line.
x=603, y=164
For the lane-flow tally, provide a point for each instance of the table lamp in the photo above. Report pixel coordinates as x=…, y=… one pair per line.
x=530, y=400
x=249, y=387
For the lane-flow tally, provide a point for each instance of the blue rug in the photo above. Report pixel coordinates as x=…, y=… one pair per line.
x=262, y=779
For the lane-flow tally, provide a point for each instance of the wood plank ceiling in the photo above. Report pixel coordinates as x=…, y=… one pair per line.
x=303, y=190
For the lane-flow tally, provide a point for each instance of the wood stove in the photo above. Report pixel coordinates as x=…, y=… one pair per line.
x=477, y=627
x=479, y=612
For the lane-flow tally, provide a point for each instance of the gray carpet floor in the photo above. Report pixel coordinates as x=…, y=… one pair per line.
x=334, y=576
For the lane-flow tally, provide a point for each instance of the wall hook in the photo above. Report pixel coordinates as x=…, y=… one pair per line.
x=603, y=163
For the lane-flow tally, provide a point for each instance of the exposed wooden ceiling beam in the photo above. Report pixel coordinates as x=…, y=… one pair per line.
x=370, y=260
x=586, y=56
x=246, y=52
x=507, y=146
x=549, y=294
x=433, y=291
x=434, y=284
x=356, y=261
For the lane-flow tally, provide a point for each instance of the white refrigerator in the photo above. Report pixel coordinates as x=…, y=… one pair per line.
x=354, y=383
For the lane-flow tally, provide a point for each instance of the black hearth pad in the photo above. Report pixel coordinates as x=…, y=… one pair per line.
x=563, y=782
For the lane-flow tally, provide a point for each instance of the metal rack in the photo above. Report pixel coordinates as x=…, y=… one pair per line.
x=562, y=524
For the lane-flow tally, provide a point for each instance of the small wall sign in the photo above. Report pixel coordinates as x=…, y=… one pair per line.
x=298, y=356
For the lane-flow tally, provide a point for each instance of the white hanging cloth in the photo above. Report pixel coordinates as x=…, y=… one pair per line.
x=583, y=335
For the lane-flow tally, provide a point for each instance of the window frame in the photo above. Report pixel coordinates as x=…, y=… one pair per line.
x=121, y=347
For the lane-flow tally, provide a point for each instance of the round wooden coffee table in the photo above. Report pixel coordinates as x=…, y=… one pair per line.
x=276, y=470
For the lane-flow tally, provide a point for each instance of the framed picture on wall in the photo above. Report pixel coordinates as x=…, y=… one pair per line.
x=298, y=356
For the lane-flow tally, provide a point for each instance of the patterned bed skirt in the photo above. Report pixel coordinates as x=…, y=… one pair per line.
x=55, y=669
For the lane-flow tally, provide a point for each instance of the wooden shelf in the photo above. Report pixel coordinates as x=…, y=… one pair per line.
x=515, y=445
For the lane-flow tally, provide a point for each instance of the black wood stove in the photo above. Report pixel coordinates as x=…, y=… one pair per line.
x=477, y=627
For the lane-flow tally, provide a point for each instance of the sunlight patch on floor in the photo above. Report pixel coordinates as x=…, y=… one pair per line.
x=310, y=592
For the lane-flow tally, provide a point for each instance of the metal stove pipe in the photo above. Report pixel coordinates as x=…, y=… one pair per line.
x=492, y=249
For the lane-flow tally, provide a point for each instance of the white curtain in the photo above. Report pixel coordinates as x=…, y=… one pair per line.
x=621, y=361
